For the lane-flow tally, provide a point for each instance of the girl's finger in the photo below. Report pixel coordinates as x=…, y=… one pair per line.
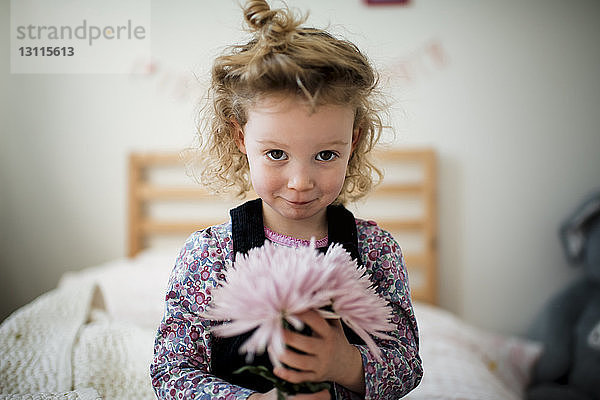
x=300, y=342
x=293, y=376
x=317, y=323
x=322, y=395
x=302, y=362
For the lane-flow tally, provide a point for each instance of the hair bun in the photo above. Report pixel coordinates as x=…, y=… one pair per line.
x=272, y=24
x=258, y=13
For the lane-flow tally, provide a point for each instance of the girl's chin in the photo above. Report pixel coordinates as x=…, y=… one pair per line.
x=297, y=214
x=297, y=211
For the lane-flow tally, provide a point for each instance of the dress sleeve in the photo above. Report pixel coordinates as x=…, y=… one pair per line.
x=180, y=368
x=400, y=370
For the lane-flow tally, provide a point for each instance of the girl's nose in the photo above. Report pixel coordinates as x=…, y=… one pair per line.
x=300, y=179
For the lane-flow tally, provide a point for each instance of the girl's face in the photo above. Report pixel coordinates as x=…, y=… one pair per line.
x=297, y=159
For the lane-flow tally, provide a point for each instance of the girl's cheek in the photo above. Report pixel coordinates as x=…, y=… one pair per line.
x=339, y=176
x=265, y=178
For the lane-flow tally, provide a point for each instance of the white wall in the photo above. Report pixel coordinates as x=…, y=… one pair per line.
x=507, y=92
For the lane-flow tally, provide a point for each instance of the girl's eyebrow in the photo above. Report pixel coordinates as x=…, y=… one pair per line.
x=270, y=143
x=336, y=142
x=278, y=144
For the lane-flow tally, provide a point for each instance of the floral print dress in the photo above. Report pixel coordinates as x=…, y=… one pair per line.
x=182, y=353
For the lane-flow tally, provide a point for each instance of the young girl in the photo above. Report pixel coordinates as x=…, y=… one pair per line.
x=293, y=115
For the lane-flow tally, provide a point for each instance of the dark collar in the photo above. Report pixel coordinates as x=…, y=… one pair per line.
x=248, y=230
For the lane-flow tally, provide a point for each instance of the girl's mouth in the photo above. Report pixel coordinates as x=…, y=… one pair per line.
x=299, y=203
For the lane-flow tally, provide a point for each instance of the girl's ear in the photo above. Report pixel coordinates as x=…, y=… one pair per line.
x=238, y=135
x=355, y=137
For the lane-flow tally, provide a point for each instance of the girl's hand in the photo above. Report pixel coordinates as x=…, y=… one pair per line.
x=329, y=356
x=322, y=395
x=272, y=395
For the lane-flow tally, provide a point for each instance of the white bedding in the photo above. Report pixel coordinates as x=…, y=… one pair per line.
x=66, y=345
x=462, y=362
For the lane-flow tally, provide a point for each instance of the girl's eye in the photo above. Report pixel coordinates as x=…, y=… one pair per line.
x=276, y=155
x=326, y=155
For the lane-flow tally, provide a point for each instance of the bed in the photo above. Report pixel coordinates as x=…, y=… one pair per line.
x=92, y=337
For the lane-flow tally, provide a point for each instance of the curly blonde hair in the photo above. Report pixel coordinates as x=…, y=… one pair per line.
x=284, y=57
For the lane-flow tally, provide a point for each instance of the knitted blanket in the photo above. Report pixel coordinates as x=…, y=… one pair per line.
x=63, y=345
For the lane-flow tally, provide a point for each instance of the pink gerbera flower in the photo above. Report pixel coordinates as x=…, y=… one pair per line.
x=272, y=284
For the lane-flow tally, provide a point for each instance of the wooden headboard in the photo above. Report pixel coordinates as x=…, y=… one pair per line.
x=404, y=204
